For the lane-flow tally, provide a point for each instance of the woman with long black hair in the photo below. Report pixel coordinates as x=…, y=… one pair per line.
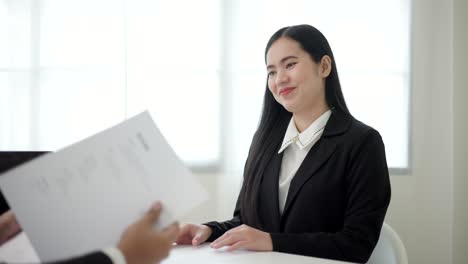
x=316, y=180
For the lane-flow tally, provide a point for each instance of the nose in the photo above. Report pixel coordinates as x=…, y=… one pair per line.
x=281, y=78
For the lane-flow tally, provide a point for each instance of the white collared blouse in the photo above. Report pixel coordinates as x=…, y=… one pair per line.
x=296, y=146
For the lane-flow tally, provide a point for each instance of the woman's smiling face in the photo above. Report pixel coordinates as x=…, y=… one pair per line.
x=296, y=81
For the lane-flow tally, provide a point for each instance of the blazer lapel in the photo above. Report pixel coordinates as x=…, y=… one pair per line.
x=269, y=194
x=318, y=155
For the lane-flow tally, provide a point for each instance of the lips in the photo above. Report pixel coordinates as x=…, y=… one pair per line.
x=285, y=91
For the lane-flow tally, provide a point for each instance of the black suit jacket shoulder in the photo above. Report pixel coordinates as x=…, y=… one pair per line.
x=337, y=200
x=92, y=258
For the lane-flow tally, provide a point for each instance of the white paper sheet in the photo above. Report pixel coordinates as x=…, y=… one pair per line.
x=81, y=198
x=18, y=250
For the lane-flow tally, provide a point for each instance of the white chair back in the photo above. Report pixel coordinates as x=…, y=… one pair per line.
x=389, y=249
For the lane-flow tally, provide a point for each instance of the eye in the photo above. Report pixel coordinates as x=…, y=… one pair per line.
x=290, y=65
x=271, y=73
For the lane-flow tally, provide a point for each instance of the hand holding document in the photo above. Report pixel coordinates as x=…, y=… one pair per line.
x=81, y=198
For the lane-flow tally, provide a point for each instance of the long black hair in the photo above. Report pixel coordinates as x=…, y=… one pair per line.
x=275, y=117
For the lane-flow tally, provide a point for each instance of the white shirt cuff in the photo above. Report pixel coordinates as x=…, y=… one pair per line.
x=115, y=255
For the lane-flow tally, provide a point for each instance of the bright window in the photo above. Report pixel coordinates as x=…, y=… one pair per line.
x=74, y=67
x=370, y=41
x=70, y=68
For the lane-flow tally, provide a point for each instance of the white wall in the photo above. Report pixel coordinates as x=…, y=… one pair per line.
x=429, y=207
x=207, y=211
x=460, y=121
x=421, y=208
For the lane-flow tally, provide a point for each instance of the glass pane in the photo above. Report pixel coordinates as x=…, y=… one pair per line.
x=15, y=111
x=173, y=59
x=82, y=69
x=384, y=107
x=15, y=34
x=370, y=40
x=82, y=33
x=78, y=104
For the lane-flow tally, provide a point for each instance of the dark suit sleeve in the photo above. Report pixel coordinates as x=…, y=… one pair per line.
x=91, y=258
x=367, y=199
x=218, y=228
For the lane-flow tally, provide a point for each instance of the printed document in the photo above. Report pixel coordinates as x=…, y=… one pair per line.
x=82, y=198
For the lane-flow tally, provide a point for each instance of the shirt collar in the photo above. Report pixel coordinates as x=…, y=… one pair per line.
x=302, y=140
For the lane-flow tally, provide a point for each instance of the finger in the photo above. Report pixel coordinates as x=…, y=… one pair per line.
x=9, y=226
x=184, y=240
x=220, y=238
x=186, y=229
x=200, y=237
x=226, y=242
x=153, y=213
x=172, y=232
x=185, y=234
x=236, y=246
x=223, y=237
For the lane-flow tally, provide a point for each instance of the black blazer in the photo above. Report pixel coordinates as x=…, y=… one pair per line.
x=92, y=258
x=337, y=200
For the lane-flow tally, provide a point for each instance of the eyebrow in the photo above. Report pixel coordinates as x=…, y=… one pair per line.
x=282, y=61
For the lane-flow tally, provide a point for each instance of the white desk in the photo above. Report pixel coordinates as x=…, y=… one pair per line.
x=206, y=255
x=19, y=250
